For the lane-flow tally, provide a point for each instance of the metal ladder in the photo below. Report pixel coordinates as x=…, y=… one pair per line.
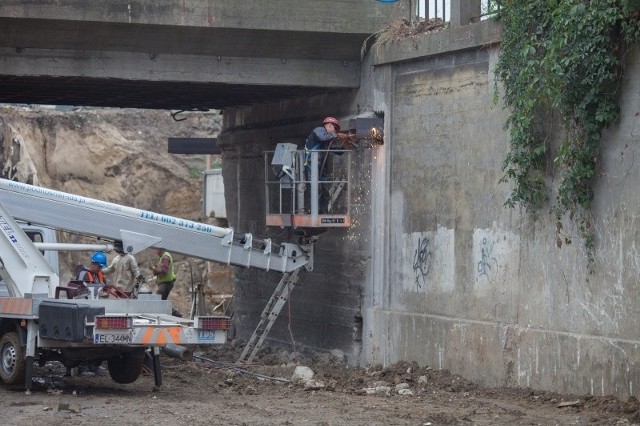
x=334, y=192
x=269, y=315
x=198, y=302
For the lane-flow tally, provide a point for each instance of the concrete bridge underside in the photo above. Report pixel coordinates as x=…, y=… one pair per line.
x=181, y=54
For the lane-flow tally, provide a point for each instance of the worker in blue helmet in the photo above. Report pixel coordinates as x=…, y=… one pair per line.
x=93, y=273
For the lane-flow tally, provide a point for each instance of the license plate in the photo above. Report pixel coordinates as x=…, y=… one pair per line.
x=112, y=338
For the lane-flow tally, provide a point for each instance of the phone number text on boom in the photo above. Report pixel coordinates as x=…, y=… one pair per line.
x=187, y=224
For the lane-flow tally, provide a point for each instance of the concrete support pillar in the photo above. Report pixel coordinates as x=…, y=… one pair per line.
x=413, y=14
x=463, y=12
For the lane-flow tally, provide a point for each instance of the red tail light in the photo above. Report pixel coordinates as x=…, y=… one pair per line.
x=113, y=323
x=212, y=323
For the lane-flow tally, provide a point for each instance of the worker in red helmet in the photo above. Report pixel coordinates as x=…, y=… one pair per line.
x=324, y=138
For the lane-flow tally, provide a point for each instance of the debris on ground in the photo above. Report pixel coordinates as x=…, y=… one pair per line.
x=275, y=390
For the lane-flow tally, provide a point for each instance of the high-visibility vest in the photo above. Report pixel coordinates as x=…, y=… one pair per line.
x=94, y=279
x=170, y=275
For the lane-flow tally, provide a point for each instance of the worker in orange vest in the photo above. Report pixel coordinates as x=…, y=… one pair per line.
x=93, y=274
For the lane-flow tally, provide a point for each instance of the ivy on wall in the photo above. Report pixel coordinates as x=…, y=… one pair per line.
x=561, y=61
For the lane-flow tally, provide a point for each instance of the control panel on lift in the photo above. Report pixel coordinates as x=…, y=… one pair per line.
x=308, y=189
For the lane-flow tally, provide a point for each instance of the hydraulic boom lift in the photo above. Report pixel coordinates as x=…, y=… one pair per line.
x=36, y=323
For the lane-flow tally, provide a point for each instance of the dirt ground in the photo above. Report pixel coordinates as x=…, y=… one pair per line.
x=201, y=392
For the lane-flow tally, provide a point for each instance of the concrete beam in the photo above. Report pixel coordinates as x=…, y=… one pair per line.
x=340, y=16
x=193, y=146
x=180, y=68
x=27, y=33
x=237, y=52
x=483, y=33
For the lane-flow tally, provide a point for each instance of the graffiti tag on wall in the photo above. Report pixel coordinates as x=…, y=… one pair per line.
x=488, y=265
x=421, y=263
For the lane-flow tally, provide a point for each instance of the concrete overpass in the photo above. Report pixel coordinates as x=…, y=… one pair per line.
x=188, y=54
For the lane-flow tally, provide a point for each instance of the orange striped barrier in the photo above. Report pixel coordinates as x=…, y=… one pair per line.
x=15, y=305
x=161, y=336
x=175, y=332
x=146, y=336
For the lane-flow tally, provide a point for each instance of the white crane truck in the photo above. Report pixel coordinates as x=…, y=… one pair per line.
x=42, y=320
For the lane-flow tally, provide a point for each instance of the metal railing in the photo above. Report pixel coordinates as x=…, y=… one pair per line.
x=300, y=192
x=430, y=9
x=441, y=9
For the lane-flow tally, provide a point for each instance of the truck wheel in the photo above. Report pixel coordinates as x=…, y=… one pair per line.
x=126, y=367
x=12, y=362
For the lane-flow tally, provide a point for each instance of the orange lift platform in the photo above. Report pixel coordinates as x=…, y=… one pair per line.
x=310, y=190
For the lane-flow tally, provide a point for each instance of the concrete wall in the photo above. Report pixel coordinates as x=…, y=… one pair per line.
x=481, y=289
x=436, y=268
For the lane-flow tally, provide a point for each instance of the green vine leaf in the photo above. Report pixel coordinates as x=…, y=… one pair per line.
x=561, y=58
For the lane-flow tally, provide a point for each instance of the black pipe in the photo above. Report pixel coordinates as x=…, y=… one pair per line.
x=180, y=352
x=157, y=372
x=28, y=377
